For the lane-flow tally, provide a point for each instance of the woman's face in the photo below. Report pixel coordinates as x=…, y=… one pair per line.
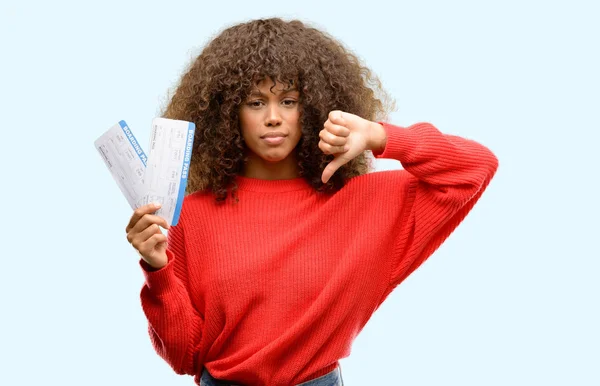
x=269, y=120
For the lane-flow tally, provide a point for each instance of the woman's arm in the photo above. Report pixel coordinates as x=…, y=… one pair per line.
x=443, y=177
x=174, y=324
x=446, y=176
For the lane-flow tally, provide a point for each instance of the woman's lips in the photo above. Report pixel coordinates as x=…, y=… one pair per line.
x=274, y=138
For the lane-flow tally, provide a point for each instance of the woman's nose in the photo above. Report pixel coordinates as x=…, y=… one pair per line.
x=273, y=116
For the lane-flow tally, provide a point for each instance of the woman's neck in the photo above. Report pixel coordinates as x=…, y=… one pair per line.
x=257, y=167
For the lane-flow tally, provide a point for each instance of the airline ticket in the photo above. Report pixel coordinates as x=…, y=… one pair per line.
x=125, y=160
x=168, y=165
x=159, y=177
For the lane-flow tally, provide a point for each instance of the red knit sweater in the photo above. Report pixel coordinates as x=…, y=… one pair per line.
x=274, y=290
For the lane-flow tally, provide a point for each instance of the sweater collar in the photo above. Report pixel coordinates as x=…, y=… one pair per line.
x=272, y=186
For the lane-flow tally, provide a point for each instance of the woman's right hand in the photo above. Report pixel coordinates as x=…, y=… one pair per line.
x=143, y=232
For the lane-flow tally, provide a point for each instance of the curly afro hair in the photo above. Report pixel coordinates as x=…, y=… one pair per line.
x=211, y=91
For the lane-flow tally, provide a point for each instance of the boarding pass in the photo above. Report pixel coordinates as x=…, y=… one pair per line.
x=161, y=176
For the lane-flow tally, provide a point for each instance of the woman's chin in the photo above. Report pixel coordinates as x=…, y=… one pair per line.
x=274, y=157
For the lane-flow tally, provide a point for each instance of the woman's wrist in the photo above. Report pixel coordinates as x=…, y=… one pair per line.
x=377, y=137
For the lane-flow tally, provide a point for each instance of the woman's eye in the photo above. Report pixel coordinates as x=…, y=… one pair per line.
x=289, y=102
x=254, y=103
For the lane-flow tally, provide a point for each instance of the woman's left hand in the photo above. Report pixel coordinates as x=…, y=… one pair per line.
x=346, y=136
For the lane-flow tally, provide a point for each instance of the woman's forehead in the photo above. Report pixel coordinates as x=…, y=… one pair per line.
x=268, y=83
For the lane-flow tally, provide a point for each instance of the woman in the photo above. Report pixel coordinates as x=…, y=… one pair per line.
x=286, y=245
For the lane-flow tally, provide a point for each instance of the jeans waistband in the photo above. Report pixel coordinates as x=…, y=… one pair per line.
x=332, y=378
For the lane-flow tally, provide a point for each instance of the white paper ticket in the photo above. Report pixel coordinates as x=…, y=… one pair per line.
x=126, y=161
x=168, y=165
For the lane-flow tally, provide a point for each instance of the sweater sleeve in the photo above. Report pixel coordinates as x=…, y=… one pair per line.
x=174, y=324
x=446, y=177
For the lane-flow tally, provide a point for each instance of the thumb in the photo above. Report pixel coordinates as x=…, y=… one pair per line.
x=333, y=166
x=337, y=117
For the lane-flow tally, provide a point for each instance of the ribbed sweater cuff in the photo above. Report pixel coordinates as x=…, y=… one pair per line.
x=160, y=281
x=400, y=141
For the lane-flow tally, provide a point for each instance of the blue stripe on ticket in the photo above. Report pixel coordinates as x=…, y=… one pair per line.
x=133, y=142
x=185, y=168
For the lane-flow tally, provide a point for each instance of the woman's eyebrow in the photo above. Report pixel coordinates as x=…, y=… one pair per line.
x=259, y=93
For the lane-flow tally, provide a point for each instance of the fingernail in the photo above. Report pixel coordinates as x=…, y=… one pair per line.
x=346, y=148
x=157, y=204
